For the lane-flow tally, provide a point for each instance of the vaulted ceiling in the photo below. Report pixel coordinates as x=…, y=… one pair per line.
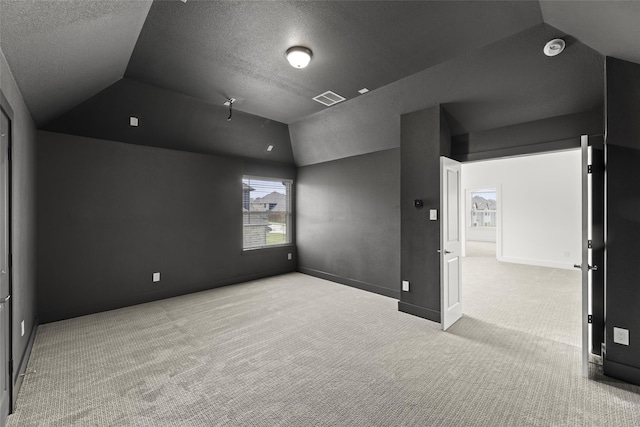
x=482, y=59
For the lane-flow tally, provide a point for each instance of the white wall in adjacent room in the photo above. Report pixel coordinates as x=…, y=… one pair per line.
x=540, y=206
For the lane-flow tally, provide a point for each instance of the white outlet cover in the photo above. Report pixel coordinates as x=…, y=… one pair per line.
x=620, y=336
x=405, y=285
x=133, y=121
x=289, y=256
x=156, y=277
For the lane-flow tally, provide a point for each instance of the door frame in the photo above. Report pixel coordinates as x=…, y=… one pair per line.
x=585, y=217
x=5, y=107
x=592, y=260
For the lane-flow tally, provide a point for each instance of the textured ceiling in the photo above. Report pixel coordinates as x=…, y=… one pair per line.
x=63, y=52
x=508, y=82
x=610, y=27
x=408, y=53
x=215, y=50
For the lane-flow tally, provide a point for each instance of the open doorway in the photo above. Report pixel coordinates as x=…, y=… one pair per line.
x=523, y=278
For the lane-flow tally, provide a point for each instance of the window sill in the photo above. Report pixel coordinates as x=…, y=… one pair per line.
x=254, y=251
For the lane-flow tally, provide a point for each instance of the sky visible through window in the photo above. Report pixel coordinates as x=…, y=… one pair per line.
x=262, y=188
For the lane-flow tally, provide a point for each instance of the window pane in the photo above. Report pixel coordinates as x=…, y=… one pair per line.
x=483, y=208
x=266, y=210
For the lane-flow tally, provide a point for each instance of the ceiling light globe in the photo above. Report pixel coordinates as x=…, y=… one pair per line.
x=298, y=56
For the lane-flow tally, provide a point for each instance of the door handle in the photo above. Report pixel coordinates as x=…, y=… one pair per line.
x=3, y=300
x=594, y=268
x=445, y=251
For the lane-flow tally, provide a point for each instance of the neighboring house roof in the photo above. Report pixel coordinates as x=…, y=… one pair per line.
x=482, y=204
x=278, y=200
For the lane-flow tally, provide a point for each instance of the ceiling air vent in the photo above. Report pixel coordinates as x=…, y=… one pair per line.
x=329, y=98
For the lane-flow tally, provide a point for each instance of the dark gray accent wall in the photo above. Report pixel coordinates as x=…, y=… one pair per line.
x=111, y=214
x=348, y=217
x=23, y=222
x=622, y=151
x=424, y=138
x=549, y=134
x=174, y=121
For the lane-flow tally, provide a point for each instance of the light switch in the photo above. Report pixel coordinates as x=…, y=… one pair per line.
x=433, y=214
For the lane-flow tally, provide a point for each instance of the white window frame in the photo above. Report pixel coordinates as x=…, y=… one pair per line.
x=288, y=214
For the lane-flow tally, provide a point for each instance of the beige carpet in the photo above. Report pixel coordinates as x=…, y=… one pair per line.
x=540, y=301
x=294, y=350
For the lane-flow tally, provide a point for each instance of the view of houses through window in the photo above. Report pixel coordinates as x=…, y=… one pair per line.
x=266, y=211
x=483, y=208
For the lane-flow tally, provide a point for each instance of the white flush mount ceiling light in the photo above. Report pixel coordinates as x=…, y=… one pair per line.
x=298, y=56
x=554, y=47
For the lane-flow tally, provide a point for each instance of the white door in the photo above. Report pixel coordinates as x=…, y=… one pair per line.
x=450, y=227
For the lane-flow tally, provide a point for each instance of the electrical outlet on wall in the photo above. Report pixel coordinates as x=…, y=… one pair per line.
x=620, y=336
x=405, y=285
x=156, y=277
x=289, y=256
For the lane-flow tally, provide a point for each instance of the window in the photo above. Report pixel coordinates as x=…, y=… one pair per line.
x=483, y=208
x=266, y=212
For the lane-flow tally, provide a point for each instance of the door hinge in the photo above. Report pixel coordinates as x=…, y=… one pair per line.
x=11, y=367
x=589, y=169
x=590, y=244
x=590, y=318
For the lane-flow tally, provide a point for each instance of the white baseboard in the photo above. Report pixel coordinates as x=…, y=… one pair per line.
x=537, y=262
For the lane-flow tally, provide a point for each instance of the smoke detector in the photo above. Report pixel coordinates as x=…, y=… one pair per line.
x=554, y=47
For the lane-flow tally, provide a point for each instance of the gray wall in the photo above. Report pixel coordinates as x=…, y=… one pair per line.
x=335, y=197
x=110, y=214
x=423, y=140
x=622, y=148
x=23, y=212
x=178, y=122
x=348, y=217
x=549, y=134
